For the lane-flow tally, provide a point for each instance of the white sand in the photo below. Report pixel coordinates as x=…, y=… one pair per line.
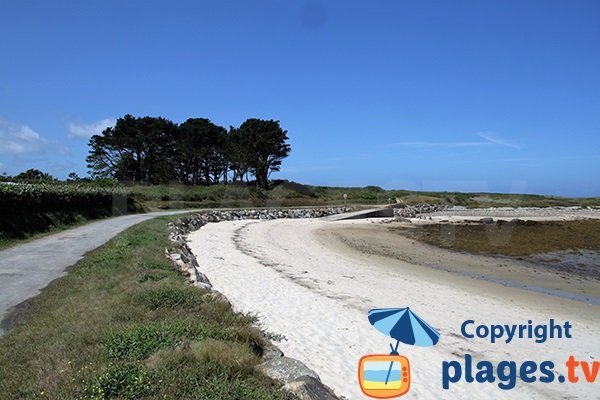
x=318, y=294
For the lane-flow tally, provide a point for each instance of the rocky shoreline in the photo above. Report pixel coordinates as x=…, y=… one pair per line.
x=417, y=210
x=436, y=210
x=293, y=375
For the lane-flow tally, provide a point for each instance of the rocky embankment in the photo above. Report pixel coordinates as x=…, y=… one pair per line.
x=418, y=210
x=433, y=210
x=519, y=212
x=292, y=374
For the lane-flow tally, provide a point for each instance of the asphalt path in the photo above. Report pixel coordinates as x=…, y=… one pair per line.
x=26, y=269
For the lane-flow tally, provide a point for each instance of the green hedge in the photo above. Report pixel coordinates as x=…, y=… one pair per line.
x=29, y=208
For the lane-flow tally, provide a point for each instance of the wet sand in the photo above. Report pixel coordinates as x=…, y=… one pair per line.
x=529, y=273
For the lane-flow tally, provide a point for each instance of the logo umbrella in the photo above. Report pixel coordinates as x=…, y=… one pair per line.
x=405, y=326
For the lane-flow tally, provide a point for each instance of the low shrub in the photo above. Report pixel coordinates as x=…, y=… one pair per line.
x=29, y=208
x=139, y=341
x=124, y=381
x=171, y=297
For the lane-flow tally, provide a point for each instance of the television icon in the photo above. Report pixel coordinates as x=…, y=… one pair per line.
x=384, y=376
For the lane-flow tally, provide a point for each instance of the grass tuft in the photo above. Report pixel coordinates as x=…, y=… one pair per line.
x=125, y=381
x=171, y=297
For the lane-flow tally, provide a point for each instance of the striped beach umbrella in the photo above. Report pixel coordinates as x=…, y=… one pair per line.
x=405, y=326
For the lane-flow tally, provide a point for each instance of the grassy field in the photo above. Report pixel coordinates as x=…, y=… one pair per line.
x=510, y=239
x=290, y=194
x=125, y=324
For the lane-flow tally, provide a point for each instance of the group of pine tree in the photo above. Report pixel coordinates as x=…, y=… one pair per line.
x=154, y=150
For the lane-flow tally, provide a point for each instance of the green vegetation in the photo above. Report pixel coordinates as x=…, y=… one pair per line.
x=291, y=194
x=151, y=150
x=125, y=324
x=30, y=208
x=521, y=238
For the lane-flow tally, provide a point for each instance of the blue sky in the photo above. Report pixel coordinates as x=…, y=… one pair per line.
x=499, y=96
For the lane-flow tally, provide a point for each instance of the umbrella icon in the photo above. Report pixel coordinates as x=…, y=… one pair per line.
x=405, y=326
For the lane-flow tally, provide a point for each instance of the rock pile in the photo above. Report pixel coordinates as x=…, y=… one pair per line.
x=520, y=212
x=295, y=377
x=417, y=210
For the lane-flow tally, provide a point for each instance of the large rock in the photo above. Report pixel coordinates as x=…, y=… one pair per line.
x=309, y=388
x=286, y=370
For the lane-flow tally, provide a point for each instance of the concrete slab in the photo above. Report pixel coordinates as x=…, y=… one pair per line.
x=371, y=213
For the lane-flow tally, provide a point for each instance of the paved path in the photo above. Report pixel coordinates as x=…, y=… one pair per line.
x=28, y=268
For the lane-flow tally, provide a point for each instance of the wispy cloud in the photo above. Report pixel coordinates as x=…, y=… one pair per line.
x=20, y=140
x=88, y=130
x=489, y=139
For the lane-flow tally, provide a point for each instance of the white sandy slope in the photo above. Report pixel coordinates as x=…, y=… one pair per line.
x=318, y=297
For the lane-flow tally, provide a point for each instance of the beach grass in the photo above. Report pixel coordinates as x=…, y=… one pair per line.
x=125, y=324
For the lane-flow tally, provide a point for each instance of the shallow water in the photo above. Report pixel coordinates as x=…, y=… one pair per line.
x=518, y=285
x=581, y=263
x=585, y=263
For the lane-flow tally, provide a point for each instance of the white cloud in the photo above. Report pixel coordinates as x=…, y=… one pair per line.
x=20, y=140
x=489, y=139
x=88, y=130
x=493, y=138
x=442, y=144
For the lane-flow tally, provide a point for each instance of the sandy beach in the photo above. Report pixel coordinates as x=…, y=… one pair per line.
x=313, y=281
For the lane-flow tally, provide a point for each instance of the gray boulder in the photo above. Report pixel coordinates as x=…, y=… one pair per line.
x=286, y=370
x=309, y=388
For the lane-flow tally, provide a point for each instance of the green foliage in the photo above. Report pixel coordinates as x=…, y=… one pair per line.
x=139, y=341
x=27, y=208
x=34, y=175
x=153, y=150
x=199, y=156
x=171, y=297
x=134, y=150
x=265, y=145
x=212, y=369
x=125, y=381
x=24, y=198
x=151, y=277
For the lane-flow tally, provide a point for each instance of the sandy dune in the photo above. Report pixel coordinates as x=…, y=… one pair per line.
x=309, y=286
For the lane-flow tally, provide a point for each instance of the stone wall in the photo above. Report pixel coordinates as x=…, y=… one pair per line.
x=417, y=210
x=293, y=375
